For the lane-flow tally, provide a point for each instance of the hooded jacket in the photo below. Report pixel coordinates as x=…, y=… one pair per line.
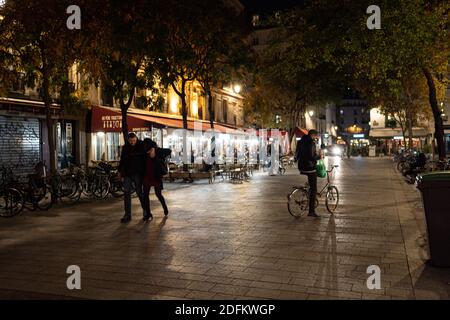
x=306, y=154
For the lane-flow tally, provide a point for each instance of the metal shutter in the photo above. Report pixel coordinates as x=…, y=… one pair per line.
x=20, y=146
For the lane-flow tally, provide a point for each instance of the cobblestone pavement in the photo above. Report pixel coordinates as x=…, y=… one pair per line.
x=230, y=241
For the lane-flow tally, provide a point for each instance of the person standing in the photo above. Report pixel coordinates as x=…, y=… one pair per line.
x=131, y=170
x=155, y=169
x=306, y=155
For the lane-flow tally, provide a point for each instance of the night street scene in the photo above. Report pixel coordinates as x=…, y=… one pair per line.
x=248, y=151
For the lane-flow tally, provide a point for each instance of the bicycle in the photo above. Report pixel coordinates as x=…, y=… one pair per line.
x=298, y=199
x=11, y=200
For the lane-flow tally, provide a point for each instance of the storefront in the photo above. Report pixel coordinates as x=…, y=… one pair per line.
x=389, y=140
x=24, y=133
x=106, y=137
x=447, y=138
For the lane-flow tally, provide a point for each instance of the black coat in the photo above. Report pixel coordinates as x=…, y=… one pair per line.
x=132, y=160
x=306, y=154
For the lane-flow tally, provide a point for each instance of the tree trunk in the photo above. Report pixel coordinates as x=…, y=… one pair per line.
x=124, y=112
x=438, y=122
x=410, y=130
x=48, y=116
x=124, y=106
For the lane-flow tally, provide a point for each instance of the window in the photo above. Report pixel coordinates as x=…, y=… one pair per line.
x=113, y=140
x=225, y=110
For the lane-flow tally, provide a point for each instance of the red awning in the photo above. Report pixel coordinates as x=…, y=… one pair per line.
x=107, y=119
x=300, y=132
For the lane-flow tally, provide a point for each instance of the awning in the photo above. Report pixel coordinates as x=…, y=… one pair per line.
x=389, y=133
x=300, y=132
x=107, y=119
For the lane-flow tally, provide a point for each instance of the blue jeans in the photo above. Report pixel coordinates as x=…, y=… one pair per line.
x=130, y=183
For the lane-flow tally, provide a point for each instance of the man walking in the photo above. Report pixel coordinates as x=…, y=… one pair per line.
x=307, y=157
x=131, y=170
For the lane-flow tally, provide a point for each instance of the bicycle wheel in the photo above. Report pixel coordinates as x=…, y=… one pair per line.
x=102, y=187
x=68, y=187
x=332, y=199
x=11, y=203
x=298, y=202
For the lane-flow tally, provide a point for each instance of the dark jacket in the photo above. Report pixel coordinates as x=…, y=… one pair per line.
x=306, y=154
x=132, y=159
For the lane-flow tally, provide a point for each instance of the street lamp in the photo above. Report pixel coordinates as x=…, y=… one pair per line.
x=311, y=113
x=237, y=88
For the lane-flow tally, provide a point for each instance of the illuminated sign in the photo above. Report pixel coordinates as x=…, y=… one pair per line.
x=358, y=136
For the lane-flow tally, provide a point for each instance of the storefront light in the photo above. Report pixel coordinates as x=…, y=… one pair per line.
x=100, y=135
x=311, y=113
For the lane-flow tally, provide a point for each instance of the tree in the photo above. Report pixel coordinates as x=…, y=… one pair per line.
x=413, y=39
x=224, y=54
x=404, y=100
x=198, y=43
x=291, y=77
x=37, y=43
x=121, y=41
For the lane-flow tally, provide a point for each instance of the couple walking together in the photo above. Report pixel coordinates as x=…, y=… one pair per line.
x=142, y=167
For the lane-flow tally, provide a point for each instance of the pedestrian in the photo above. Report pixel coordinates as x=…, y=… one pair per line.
x=131, y=171
x=307, y=157
x=155, y=169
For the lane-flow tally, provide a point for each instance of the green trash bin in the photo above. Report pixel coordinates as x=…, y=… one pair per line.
x=435, y=188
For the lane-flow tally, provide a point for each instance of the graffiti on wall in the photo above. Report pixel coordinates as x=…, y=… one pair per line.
x=20, y=146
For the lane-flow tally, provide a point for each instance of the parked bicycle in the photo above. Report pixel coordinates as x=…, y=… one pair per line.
x=298, y=199
x=11, y=200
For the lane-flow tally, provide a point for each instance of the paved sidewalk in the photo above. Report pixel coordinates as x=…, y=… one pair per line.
x=230, y=241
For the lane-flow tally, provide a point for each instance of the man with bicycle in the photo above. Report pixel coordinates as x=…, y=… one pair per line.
x=307, y=157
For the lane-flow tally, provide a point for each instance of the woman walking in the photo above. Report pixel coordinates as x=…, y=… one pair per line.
x=155, y=169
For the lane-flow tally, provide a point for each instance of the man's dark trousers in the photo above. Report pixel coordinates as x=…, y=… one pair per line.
x=312, y=181
x=128, y=183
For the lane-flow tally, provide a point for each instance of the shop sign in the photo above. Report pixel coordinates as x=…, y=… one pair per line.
x=111, y=122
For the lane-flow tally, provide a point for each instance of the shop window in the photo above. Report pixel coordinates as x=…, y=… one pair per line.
x=100, y=146
x=113, y=144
